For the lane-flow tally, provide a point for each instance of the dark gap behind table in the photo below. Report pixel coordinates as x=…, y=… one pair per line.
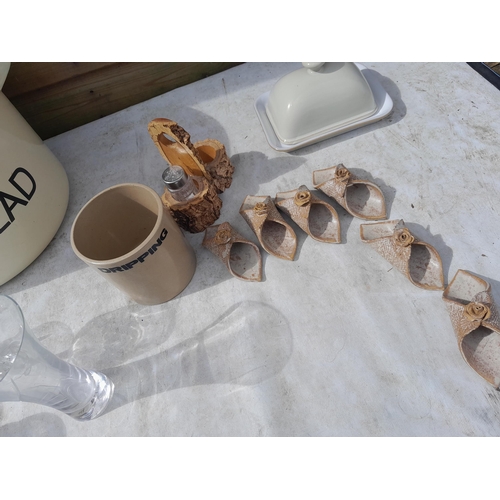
x=488, y=70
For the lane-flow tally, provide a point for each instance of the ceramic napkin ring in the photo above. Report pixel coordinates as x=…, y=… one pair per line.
x=274, y=234
x=317, y=218
x=360, y=198
x=476, y=322
x=417, y=260
x=241, y=257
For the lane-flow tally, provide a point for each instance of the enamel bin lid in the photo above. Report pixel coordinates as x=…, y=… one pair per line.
x=317, y=99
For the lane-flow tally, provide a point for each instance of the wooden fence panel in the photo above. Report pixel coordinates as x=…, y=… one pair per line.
x=57, y=97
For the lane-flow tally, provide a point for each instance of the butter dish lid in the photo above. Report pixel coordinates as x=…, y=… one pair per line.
x=318, y=98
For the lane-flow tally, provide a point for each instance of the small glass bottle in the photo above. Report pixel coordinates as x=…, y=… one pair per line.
x=181, y=186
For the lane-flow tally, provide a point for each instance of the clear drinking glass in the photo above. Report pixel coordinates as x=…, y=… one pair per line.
x=31, y=373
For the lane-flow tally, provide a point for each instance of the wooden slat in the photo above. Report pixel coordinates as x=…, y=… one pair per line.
x=56, y=97
x=495, y=66
x=29, y=77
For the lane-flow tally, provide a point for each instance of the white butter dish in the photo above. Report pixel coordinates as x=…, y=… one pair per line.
x=310, y=105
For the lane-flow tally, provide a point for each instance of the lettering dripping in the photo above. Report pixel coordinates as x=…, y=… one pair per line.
x=138, y=260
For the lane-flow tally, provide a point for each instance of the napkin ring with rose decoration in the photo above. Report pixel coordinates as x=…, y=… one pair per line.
x=476, y=322
x=275, y=235
x=417, y=260
x=241, y=257
x=314, y=216
x=362, y=199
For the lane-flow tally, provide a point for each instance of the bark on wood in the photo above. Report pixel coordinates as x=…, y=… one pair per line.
x=179, y=151
x=217, y=163
x=198, y=214
x=206, y=158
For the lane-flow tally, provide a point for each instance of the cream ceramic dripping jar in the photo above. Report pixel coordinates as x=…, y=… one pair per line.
x=34, y=190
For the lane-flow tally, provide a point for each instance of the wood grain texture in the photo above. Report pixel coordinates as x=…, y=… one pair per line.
x=206, y=158
x=57, y=97
x=495, y=66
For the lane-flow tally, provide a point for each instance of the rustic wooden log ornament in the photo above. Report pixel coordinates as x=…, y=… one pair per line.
x=206, y=161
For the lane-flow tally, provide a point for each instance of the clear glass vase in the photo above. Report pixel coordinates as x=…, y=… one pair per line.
x=31, y=373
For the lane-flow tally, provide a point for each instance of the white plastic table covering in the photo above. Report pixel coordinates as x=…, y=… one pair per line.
x=335, y=343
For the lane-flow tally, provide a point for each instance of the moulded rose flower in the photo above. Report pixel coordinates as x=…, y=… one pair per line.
x=403, y=237
x=302, y=198
x=477, y=311
x=260, y=208
x=222, y=236
x=342, y=174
